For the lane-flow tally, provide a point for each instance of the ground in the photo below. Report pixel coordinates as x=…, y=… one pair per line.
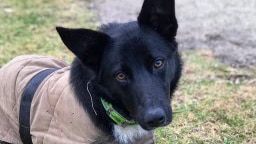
x=225, y=27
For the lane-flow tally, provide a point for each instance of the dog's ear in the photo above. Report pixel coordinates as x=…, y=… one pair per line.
x=87, y=45
x=160, y=16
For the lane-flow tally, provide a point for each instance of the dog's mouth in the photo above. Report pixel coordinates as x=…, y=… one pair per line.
x=149, y=127
x=153, y=118
x=153, y=125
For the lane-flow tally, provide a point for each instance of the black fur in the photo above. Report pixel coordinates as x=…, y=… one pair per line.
x=131, y=49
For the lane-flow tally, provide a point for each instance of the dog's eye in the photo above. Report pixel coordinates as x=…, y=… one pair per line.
x=158, y=63
x=121, y=76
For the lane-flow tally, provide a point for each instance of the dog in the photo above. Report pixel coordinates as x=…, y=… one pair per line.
x=117, y=90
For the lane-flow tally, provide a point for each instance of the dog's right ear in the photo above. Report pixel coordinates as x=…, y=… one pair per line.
x=159, y=15
x=87, y=45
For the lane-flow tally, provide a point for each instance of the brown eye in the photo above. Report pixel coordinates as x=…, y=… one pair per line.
x=158, y=63
x=121, y=76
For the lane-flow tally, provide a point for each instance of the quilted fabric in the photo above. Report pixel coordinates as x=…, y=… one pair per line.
x=56, y=116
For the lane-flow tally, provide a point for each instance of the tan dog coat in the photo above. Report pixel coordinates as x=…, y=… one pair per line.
x=56, y=116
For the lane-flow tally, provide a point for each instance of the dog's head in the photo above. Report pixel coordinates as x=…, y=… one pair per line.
x=136, y=62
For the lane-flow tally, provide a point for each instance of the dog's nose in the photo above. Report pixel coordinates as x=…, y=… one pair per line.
x=155, y=117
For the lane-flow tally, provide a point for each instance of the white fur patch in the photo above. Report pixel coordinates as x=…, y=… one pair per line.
x=129, y=133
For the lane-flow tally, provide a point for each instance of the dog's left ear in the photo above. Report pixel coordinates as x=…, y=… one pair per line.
x=160, y=16
x=87, y=45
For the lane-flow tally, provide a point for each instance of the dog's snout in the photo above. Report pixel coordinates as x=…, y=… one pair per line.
x=155, y=117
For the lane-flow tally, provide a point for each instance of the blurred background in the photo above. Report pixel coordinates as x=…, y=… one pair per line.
x=216, y=99
x=227, y=28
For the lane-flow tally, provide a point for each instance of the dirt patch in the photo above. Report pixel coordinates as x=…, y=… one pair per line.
x=225, y=27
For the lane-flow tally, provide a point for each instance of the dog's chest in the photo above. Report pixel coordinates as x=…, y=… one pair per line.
x=133, y=135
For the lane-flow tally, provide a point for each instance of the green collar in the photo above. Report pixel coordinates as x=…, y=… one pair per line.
x=115, y=116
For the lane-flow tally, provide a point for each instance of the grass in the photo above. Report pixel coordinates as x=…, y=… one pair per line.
x=214, y=103
x=218, y=103
x=28, y=26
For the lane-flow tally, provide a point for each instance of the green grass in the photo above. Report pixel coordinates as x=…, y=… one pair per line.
x=30, y=27
x=214, y=103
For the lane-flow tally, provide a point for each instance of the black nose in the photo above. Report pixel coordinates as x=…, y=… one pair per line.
x=155, y=117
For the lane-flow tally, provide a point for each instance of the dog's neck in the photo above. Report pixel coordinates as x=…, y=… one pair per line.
x=90, y=95
x=125, y=130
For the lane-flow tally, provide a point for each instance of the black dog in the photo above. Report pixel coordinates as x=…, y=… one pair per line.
x=123, y=76
x=134, y=66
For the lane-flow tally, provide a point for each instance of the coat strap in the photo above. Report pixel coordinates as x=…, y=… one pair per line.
x=26, y=99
